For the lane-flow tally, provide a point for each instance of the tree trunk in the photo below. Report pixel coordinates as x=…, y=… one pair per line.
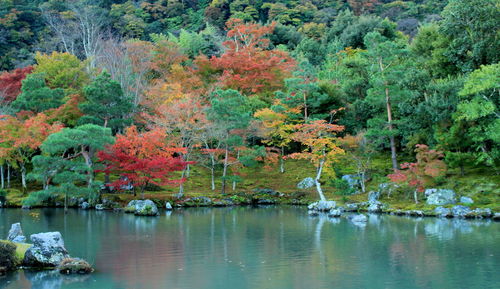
x=389, y=121
x=282, y=160
x=224, y=172
x=318, y=177
x=188, y=170
x=1, y=177
x=181, y=185
x=8, y=176
x=415, y=196
x=212, y=174
x=362, y=182
x=23, y=176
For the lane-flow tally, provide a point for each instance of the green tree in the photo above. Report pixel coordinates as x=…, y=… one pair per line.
x=67, y=160
x=62, y=70
x=105, y=104
x=388, y=67
x=230, y=111
x=472, y=26
x=36, y=96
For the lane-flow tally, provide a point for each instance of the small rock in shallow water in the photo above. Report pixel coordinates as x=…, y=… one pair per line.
x=442, y=212
x=144, y=207
x=99, y=207
x=496, y=216
x=466, y=200
x=322, y=206
x=16, y=234
x=482, y=213
x=85, y=206
x=460, y=211
x=74, y=266
x=375, y=207
x=334, y=213
x=168, y=206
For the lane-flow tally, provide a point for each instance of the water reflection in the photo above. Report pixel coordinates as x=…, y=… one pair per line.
x=272, y=247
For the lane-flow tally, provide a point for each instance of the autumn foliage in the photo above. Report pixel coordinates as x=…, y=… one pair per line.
x=142, y=159
x=248, y=65
x=428, y=166
x=10, y=83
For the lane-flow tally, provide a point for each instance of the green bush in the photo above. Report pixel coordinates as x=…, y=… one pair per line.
x=343, y=188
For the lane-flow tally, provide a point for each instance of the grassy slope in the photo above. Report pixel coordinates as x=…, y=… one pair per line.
x=482, y=184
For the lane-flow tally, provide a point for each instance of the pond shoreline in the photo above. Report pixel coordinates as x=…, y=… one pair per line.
x=363, y=208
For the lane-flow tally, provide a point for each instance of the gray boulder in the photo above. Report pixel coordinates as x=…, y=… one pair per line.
x=482, y=213
x=47, y=251
x=466, y=200
x=375, y=207
x=496, y=216
x=442, y=212
x=85, y=206
x=352, y=180
x=144, y=207
x=322, y=206
x=168, y=206
x=460, y=211
x=16, y=234
x=334, y=213
x=99, y=207
x=440, y=197
x=306, y=183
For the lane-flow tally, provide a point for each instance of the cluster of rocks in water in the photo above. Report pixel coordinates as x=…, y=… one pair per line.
x=443, y=199
x=46, y=251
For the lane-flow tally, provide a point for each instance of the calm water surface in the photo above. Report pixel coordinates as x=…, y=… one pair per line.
x=238, y=248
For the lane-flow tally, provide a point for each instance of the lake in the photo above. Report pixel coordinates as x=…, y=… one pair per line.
x=267, y=247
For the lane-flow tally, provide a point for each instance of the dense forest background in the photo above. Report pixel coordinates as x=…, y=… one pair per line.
x=290, y=79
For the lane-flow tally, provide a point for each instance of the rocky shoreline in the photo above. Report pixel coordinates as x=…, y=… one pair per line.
x=438, y=203
x=45, y=252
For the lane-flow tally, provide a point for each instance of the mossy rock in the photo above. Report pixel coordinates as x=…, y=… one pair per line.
x=8, y=257
x=74, y=266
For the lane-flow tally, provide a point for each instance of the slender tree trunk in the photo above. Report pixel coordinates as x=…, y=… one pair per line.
x=8, y=176
x=188, y=170
x=362, y=183
x=282, y=160
x=389, y=121
x=181, y=185
x=415, y=196
x=318, y=177
x=212, y=173
x=1, y=177
x=224, y=171
x=23, y=176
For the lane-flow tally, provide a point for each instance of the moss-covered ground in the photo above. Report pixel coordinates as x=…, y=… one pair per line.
x=481, y=184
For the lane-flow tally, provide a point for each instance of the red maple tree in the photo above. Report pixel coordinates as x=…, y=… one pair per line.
x=11, y=82
x=142, y=159
x=248, y=65
x=418, y=175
